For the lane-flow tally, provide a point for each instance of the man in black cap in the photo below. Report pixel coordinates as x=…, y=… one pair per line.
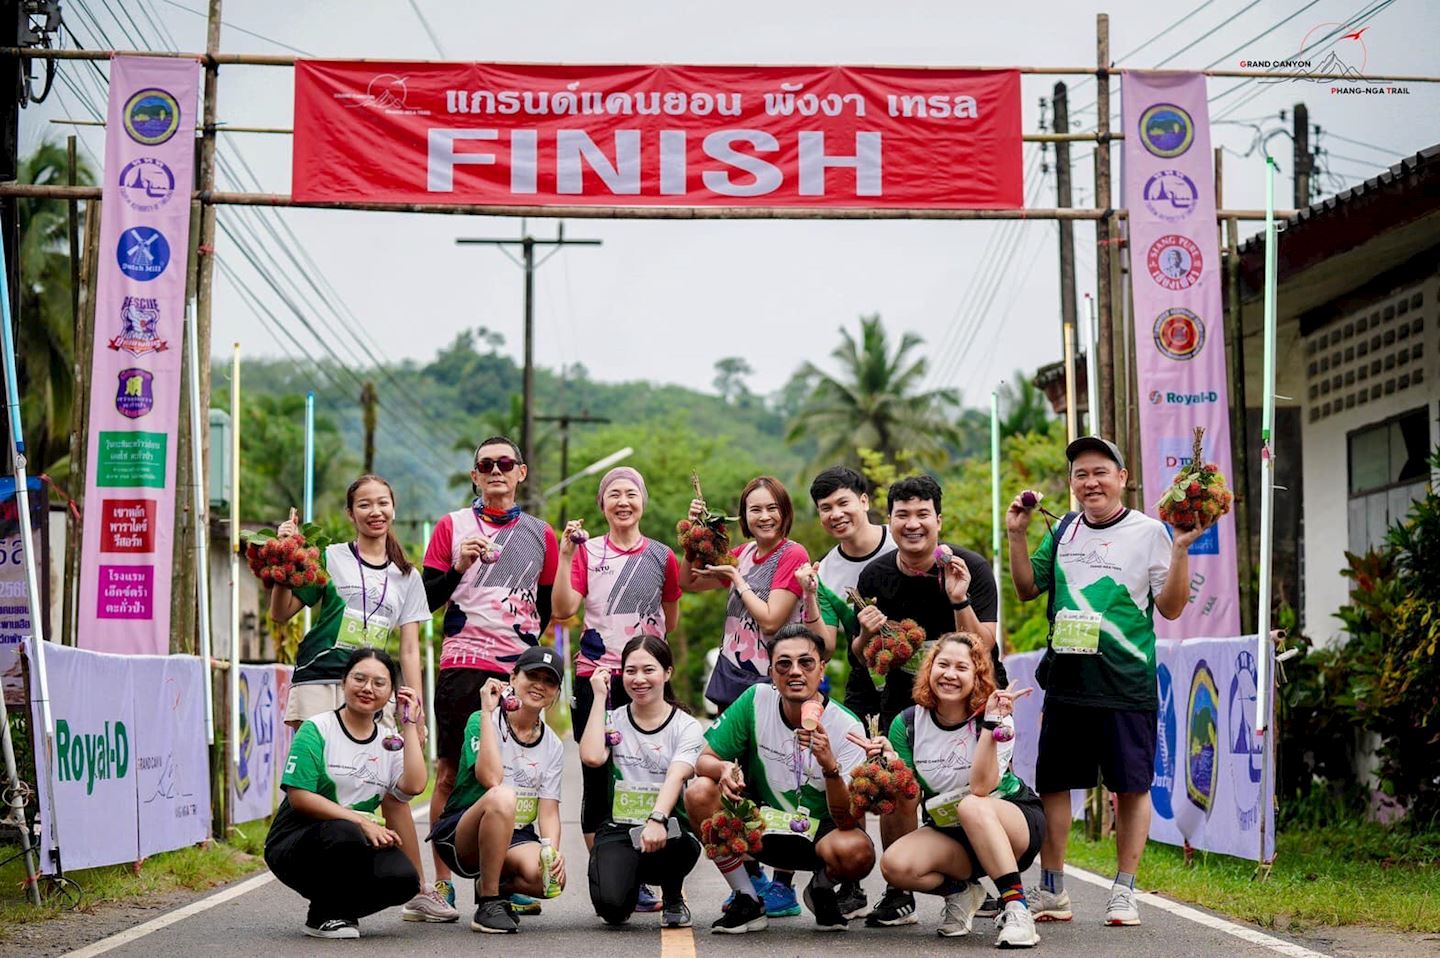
x=1107, y=570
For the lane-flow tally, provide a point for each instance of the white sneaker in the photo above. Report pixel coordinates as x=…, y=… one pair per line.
x=1122, y=909
x=960, y=908
x=429, y=905
x=1049, y=905
x=334, y=928
x=1017, y=927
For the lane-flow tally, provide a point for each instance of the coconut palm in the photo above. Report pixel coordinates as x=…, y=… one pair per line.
x=875, y=402
x=1023, y=407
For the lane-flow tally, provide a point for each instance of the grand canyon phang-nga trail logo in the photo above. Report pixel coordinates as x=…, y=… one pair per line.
x=1326, y=50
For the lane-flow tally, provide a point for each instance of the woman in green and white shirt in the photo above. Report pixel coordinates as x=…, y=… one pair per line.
x=652, y=745
x=323, y=842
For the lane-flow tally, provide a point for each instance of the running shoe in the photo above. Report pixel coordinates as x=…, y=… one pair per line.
x=1017, y=927
x=825, y=905
x=676, y=914
x=761, y=885
x=334, y=928
x=524, y=904
x=896, y=908
x=852, y=900
x=647, y=902
x=429, y=905
x=745, y=914
x=1122, y=908
x=991, y=907
x=493, y=918
x=960, y=910
x=1049, y=906
x=780, y=901
x=446, y=888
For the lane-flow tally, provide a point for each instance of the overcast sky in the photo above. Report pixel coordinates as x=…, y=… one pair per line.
x=658, y=295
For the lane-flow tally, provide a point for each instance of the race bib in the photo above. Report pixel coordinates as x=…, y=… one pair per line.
x=633, y=802
x=355, y=633
x=944, y=808
x=1076, y=633
x=527, y=806
x=778, y=822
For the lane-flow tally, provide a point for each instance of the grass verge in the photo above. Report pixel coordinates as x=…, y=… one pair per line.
x=1322, y=876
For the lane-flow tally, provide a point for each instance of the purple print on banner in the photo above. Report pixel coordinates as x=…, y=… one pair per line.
x=135, y=396
x=126, y=592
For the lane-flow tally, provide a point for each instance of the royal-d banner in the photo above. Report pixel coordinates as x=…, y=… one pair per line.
x=1179, y=327
x=774, y=137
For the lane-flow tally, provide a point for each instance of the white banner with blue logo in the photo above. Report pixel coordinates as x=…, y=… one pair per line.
x=1208, y=776
x=264, y=742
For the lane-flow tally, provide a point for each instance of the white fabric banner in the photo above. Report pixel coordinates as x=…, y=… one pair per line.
x=131, y=775
x=253, y=786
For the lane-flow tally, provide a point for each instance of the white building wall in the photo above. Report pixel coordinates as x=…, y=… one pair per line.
x=1333, y=411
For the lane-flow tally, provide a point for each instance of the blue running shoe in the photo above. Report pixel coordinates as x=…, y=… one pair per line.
x=446, y=888
x=780, y=901
x=524, y=904
x=647, y=901
x=761, y=883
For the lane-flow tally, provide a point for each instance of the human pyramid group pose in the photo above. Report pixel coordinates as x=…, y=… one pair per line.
x=773, y=781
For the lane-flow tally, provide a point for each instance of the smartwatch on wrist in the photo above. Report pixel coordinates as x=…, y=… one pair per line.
x=658, y=817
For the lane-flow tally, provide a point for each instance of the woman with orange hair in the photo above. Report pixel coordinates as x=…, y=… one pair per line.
x=980, y=818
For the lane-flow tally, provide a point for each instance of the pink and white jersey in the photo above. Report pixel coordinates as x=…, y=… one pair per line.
x=744, y=660
x=492, y=615
x=623, y=594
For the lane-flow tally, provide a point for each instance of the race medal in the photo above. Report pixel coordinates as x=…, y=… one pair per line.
x=778, y=822
x=944, y=809
x=633, y=802
x=527, y=806
x=1076, y=633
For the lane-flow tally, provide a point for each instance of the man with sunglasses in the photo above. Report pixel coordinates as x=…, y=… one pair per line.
x=1108, y=570
x=759, y=749
x=492, y=567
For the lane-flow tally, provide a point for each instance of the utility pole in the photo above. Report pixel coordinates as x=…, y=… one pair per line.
x=1067, y=227
x=1304, y=161
x=1104, y=299
x=565, y=421
x=369, y=399
x=527, y=244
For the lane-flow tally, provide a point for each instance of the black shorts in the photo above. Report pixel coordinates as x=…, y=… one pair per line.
x=1034, y=814
x=443, y=836
x=1082, y=744
x=457, y=697
x=793, y=853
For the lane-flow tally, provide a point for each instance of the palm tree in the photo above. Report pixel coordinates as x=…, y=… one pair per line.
x=875, y=402
x=1023, y=407
x=46, y=329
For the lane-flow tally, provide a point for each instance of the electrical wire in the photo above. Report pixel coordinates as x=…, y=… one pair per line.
x=429, y=31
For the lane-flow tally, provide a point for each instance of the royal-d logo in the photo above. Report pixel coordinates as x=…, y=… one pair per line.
x=1166, y=130
x=135, y=398
x=1202, y=738
x=151, y=116
x=1175, y=262
x=1179, y=334
x=139, y=320
x=91, y=758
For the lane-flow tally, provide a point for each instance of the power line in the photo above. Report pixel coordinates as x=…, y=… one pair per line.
x=1331, y=134
x=429, y=31
x=238, y=29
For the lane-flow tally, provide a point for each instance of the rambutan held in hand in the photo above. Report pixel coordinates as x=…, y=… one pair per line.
x=1198, y=492
x=883, y=783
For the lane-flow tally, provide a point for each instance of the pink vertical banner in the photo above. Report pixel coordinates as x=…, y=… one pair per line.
x=1169, y=184
x=136, y=373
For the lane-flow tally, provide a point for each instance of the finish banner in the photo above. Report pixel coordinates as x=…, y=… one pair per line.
x=1169, y=184
x=546, y=135
x=135, y=375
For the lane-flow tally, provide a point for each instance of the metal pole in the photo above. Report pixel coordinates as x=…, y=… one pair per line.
x=232, y=731
x=1072, y=428
x=1092, y=379
x=430, y=672
x=1102, y=226
x=16, y=815
x=200, y=491
x=1267, y=465
x=995, y=513
x=309, y=472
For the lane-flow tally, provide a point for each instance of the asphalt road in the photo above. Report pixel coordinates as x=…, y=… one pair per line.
x=267, y=922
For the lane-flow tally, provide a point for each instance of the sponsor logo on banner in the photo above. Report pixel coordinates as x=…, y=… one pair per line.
x=247, y=744
x=1175, y=262
x=133, y=459
x=143, y=253
x=386, y=92
x=146, y=184
x=1202, y=739
x=91, y=757
x=1179, y=334
x=1163, y=784
x=126, y=592
x=1244, y=775
x=1166, y=130
x=1170, y=195
x=135, y=396
x=151, y=116
x=127, y=525
x=1167, y=397
x=139, y=319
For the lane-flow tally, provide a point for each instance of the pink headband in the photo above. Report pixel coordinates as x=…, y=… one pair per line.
x=622, y=472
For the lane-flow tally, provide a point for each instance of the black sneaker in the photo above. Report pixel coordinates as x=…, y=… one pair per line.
x=990, y=907
x=851, y=899
x=824, y=903
x=493, y=917
x=334, y=928
x=896, y=908
x=744, y=914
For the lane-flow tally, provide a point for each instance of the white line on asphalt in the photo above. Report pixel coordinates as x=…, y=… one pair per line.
x=170, y=918
x=1252, y=935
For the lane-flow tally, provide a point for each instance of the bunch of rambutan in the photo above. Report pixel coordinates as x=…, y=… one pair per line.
x=736, y=829
x=1198, y=495
x=894, y=644
x=879, y=784
x=706, y=540
x=291, y=561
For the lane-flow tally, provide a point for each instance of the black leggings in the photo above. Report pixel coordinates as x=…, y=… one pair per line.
x=595, y=791
x=618, y=869
x=344, y=876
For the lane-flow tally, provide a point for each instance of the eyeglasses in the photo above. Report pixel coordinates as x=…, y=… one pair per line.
x=804, y=664
x=504, y=464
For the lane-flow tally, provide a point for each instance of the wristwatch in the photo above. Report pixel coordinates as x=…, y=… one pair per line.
x=831, y=772
x=658, y=817
x=960, y=606
x=989, y=724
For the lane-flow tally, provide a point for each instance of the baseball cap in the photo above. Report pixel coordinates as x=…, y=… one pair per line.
x=541, y=657
x=1105, y=447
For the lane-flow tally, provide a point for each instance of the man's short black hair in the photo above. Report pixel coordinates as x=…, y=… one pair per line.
x=836, y=478
x=795, y=630
x=911, y=488
x=498, y=440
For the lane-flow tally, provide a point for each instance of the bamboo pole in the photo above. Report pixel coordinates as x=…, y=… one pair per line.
x=1103, y=290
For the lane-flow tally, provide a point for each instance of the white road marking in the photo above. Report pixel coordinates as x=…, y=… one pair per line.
x=179, y=914
x=1252, y=935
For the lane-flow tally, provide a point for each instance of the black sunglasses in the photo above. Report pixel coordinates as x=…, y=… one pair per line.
x=504, y=463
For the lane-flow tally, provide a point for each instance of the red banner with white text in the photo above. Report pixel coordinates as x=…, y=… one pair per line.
x=769, y=137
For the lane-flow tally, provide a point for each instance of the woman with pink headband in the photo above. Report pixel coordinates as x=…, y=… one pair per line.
x=629, y=585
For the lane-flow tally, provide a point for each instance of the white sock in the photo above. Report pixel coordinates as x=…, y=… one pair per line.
x=733, y=869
